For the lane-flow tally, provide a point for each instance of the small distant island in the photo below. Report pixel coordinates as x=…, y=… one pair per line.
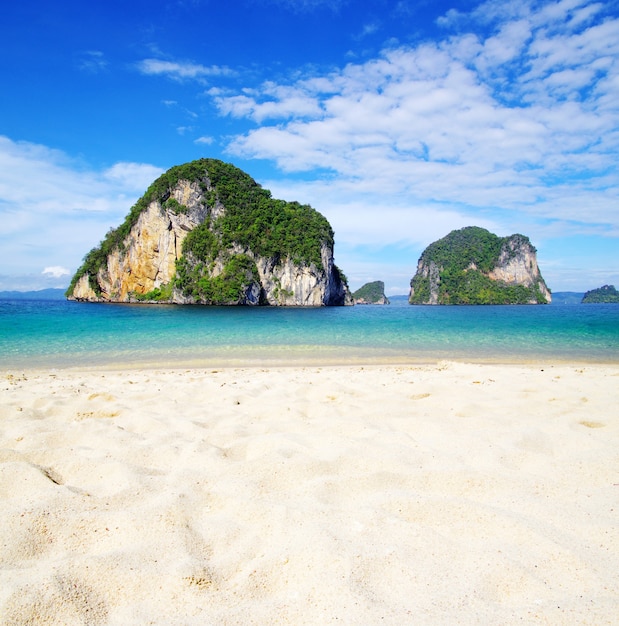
x=607, y=294
x=475, y=266
x=40, y=294
x=371, y=293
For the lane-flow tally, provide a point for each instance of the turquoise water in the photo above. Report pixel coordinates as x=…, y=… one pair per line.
x=62, y=334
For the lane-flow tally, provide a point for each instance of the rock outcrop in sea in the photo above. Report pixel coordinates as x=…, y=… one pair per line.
x=371, y=293
x=474, y=266
x=207, y=233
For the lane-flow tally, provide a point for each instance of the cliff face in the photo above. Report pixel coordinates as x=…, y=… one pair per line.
x=147, y=258
x=473, y=266
x=224, y=261
x=427, y=279
x=517, y=265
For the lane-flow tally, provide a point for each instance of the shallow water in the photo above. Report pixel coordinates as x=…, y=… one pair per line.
x=69, y=334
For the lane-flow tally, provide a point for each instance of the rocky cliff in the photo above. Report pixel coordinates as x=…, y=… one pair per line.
x=474, y=266
x=206, y=233
x=371, y=293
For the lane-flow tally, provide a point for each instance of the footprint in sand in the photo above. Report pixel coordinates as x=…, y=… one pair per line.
x=420, y=396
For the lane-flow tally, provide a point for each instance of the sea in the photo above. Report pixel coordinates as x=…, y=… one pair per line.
x=60, y=334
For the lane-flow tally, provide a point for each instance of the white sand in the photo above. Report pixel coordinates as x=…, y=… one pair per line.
x=448, y=494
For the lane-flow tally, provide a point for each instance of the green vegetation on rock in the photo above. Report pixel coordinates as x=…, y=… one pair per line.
x=231, y=286
x=159, y=294
x=462, y=260
x=175, y=206
x=458, y=250
x=607, y=294
x=371, y=292
x=269, y=227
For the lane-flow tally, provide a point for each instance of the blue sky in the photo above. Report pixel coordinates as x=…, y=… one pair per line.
x=398, y=120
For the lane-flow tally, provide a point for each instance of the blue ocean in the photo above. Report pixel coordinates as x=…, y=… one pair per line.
x=61, y=334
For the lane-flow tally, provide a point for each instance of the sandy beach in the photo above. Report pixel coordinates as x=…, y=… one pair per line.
x=451, y=493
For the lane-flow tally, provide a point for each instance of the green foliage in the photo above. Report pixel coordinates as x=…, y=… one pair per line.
x=473, y=287
x=602, y=295
x=252, y=219
x=420, y=290
x=202, y=243
x=159, y=294
x=460, y=248
x=339, y=275
x=464, y=258
x=270, y=228
x=370, y=292
x=229, y=287
x=175, y=206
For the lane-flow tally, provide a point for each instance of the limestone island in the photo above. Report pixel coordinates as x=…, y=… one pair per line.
x=474, y=266
x=607, y=294
x=206, y=233
x=371, y=293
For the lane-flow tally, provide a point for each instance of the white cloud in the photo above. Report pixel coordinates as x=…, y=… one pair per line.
x=180, y=70
x=53, y=209
x=272, y=102
x=431, y=123
x=207, y=141
x=56, y=271
x=366, y=217
x=368, y=29
x=134, y=177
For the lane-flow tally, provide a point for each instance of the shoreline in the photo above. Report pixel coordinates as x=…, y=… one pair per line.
x=310, y=357
x=440, y=493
